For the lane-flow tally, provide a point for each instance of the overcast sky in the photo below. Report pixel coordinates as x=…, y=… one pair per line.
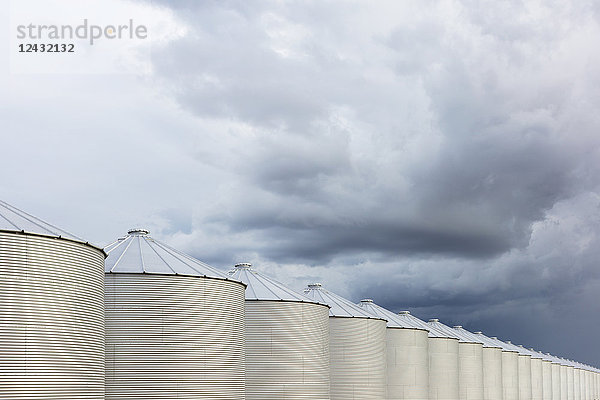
x=436, y=156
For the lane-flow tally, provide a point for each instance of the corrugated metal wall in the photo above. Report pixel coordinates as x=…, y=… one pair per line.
x=443, y=369
x=524, y=368
x=287, y=350
x=537, y=379
x=510, y=375
x=492, y=373
x=174, y=337
x=51, y=319
x=547, y=383
x=407, y=364
x=555, y=381
x=470, y=371
x=357, y=353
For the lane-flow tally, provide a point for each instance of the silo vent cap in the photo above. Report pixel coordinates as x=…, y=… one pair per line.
x=366, y=301
x=434, y=320
x=457, y=326
x=509, y=342
x=243, y=265
x=404, y=313
x=314, y=285
x=138, y=231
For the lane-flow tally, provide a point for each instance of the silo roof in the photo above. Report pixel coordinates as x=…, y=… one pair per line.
x=262, y=287
x=533, y=354
x=487, y=341
x=13, y=219
x=393, y=320
x=139, y=253
x=339, y=306
x=467, y=336
x=445, y=331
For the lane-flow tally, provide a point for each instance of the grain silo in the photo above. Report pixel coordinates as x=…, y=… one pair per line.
x=470, y=362
x=443, y=363
x=510, y=370
x=537, y=374
x=546, y=375
x=174, y=325
x=407, y=353
x=51, y=311
x=556, y=377
x=357, y=348
x=570, y=369
x=524, y=370
x=492, y=368
x=576, y=381
x=287, y=340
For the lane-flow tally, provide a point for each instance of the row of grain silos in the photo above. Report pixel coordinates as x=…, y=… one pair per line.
x=159, y=324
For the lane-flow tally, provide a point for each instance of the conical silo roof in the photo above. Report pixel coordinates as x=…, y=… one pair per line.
x=139, y=253
x=505, y=346
x=467, y=336
x=262, y=287
x=444, y=330
x=393, y=320
x=533, y=354
x=487, y=342
x=13, y=219
x=339, y=306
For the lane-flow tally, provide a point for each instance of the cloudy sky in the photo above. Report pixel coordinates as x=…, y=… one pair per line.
x=436, y=156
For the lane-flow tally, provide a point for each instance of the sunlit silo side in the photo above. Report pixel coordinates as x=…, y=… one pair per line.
x=287, y=340
x=174, y=325
x=51, y=311
x=570, y=379
x=407, y=353
x=492, y=368
x=443, y=363
x=357, y=345
x=510, y=370
x=470, y=362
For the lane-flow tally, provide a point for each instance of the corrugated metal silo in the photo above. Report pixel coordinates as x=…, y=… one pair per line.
x=546, y=375
x=570, y=379
x=357, y=345
x=536, y=372
x=443, y=363
x=51, y=311
x=287, y=340
x=524, y=369
x=174, y=325
x=576, y=381
x=474, y=383
x=470, y=362
x=492, y=368
x=556, y=378
x=510, y=370
x=407, y=353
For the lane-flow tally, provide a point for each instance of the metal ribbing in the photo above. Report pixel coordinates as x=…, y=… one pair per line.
x=537, y=379
x=510, y=375
x=470, y=371
x=443, y=368
x=555, y=381
x=358, y=358
x=547, y=380
x=492, y=373
x=407, y=364
x=173, y=337
x=287, y=350
x=524, y=368
x=51, y=319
